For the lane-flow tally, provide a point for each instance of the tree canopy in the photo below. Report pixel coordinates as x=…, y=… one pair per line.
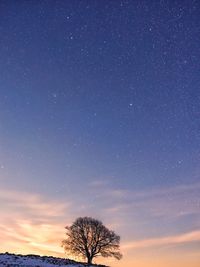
x=89, y=238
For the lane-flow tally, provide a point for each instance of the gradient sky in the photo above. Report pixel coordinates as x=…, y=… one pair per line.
x=100, y=116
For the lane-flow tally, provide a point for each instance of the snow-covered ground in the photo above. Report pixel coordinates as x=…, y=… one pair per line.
x=12, y=260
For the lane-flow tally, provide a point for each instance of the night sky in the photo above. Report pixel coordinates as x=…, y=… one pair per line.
x=100, y=116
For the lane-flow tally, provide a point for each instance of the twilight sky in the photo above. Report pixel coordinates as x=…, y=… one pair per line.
x=100, y=116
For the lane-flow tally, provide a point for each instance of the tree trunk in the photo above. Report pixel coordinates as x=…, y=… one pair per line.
x=89, y=260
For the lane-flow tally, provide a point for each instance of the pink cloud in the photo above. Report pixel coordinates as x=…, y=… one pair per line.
x=168, y=240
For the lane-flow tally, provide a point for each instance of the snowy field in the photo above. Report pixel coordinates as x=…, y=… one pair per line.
x=12, y=260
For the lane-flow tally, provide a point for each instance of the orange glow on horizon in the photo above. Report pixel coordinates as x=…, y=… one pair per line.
x=33, y=230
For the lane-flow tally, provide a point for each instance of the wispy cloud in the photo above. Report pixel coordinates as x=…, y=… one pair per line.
x=134, y=214
x=156, y=202
x=31, y=223
x=31, y=204
x=168, y=240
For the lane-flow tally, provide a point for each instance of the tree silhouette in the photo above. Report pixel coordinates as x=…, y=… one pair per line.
x=89, y=238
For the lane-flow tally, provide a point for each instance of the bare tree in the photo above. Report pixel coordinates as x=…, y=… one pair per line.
x=89, y=238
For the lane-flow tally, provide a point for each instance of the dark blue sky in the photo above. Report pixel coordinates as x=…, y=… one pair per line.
x=99, y=91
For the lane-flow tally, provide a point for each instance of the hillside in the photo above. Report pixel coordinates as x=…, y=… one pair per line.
x=14, y=260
